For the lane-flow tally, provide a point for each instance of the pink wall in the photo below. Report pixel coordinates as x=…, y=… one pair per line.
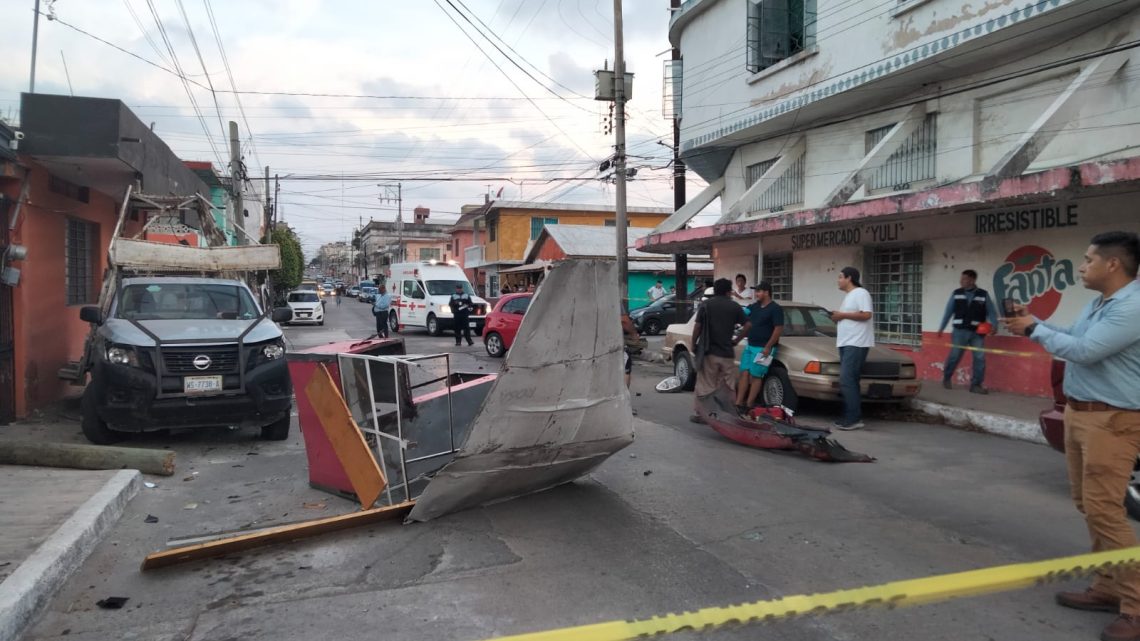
x=1018, y=365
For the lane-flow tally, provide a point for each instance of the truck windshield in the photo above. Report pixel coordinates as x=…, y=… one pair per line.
x=188, y=301
x=447, y=287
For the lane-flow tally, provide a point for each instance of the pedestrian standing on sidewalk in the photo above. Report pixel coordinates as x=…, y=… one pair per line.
x=714, y=340
x=855, y=336
x=461, y=306
x=1102, y=416
x=971, y=308
x=381, y=306
x=766, y=321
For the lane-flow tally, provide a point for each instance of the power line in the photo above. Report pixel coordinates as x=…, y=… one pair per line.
x=233, y=85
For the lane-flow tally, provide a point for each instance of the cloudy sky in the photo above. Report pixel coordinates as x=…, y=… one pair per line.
x=339, y=97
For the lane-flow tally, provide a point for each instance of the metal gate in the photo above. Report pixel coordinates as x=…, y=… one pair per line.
x=7, y=333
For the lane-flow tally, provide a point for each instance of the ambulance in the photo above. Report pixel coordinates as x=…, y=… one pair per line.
x=421, y=296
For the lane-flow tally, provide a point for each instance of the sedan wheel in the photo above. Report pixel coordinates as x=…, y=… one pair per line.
x=684, y=370
x=494, y=345
x=777, y=389
x=653, y=327
x=1132, y=496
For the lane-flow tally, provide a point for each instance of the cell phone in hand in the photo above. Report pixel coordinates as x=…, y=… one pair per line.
x=1009, y=308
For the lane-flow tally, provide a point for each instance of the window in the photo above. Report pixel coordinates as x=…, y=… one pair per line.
x=537, y=223
x=912, y=162
x=894, y=279
x=412, y=289
x=517, y=305
x=455, y=246
x=69, y=189
x=788, y=189
x=613, y=223
x=777, y=270
x=492, y=227
x=429, y=253
x=778, y=29
x=79, y=252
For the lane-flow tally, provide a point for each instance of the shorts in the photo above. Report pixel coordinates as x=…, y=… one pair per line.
x=628, y=364
x=748, y=361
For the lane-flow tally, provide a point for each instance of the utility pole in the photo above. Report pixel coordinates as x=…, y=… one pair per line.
x=35, y=42
x=276, y=198
x=681, y=261
x=395, y=193
x=268, y=209
x=236, y=183
x=619, y=159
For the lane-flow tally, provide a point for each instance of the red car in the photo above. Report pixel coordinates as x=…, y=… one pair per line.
x=1053, y=429
x=503, y=323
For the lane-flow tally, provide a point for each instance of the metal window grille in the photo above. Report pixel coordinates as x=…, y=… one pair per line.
x=894, y=279
x=79, y=252
x=777, y=270
x=778, y=29
x=671, y=89
x=912, y=162
x=537, y=223
x=787, y=190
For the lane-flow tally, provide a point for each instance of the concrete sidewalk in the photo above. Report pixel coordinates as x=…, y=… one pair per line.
x=50, y=520
x=1008, y=415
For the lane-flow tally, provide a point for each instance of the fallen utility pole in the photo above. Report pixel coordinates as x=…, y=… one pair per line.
x=87, y=457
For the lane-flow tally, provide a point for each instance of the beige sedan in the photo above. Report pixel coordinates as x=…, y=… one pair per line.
x=807, y=363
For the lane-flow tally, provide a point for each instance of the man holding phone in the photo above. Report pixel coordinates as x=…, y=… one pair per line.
x=972, y=309
x=1102, y=416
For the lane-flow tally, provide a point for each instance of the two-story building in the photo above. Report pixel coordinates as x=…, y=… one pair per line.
x=912, y=139
x=387, y=242
x=503, y=231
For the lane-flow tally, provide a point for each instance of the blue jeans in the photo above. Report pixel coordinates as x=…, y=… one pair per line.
x=958, y=338
x=851, y=361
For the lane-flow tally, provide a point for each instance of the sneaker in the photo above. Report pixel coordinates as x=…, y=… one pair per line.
x=1126, y=627
x=848, y=427
x=1089, y=600
x=947, y=385
x=978, y=389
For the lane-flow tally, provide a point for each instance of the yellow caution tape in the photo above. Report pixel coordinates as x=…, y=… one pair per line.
x=1005, y=352
x=890, y=595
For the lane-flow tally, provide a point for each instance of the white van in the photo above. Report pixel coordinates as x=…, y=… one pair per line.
x=421, y=296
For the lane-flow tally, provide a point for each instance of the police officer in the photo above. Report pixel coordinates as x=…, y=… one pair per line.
x=969, y=306
x=461, y=307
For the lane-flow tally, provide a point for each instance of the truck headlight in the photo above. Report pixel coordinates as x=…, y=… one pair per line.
x=273, y=351
x=122, y=356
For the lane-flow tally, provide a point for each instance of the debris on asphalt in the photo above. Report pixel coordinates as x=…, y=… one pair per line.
x=190, y=506
x=647, y=472
x=150, y=518
x=315, y=505
x=150, y=485
x=112, y=602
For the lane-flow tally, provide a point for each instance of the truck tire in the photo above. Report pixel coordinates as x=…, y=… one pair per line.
x=94, y=428
x=393, y=323
x=277, y=430
x=433, y=325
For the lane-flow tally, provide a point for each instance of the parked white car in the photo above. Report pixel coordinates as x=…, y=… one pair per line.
x=306, y=306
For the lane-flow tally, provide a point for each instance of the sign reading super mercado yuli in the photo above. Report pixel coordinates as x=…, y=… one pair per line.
x=1033, y=277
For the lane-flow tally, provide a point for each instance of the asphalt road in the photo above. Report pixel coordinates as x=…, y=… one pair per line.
x=681, y=519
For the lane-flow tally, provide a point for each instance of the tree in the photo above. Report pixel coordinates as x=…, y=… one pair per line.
x=292, y=260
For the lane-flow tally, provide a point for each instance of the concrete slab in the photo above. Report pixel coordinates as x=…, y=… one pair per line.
x=50, y=520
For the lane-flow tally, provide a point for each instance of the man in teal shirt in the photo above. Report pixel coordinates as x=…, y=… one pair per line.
x=1102, y=416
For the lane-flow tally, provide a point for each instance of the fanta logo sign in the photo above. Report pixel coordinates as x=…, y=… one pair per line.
x=1031, y=276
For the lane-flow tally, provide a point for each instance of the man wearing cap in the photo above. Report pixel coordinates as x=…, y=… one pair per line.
x=461, y=306
x=766, y=320
x=972, y=310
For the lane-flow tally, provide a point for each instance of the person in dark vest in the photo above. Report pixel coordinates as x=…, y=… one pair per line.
x=971, y=309
x=461, y=307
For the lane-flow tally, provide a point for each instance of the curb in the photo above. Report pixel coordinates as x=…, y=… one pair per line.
x=35, y=581
x=1007, y=426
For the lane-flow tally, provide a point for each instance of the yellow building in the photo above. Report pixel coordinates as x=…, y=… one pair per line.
x=504, y=231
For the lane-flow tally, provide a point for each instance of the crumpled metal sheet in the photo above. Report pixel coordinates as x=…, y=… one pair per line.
x=559, y=408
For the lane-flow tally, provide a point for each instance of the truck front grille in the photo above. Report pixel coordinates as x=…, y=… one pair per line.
x=180, y=360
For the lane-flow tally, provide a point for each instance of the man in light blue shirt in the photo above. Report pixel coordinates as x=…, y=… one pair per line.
x=1102, y=415
x=380, y=309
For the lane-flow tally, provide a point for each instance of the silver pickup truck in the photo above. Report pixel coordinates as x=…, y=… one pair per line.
x=184, y=352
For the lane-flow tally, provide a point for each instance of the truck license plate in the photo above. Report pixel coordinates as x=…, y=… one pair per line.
x=201, y=384
x=471, y=324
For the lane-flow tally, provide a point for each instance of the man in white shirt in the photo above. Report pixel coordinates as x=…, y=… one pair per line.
x=855, y=337
x=655, y=292
x=742, y=293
